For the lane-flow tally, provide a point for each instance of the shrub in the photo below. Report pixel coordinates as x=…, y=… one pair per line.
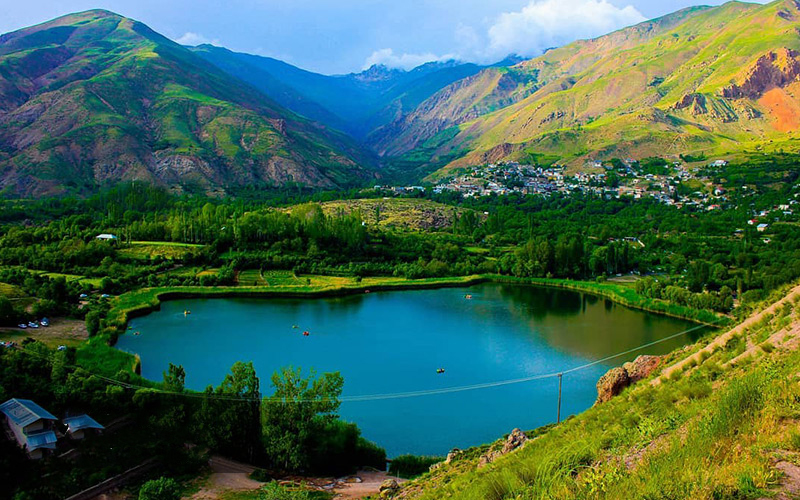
x=260, y=475
x=340, y=449
x=411, y=466
x=274, y=491
x=163, y=488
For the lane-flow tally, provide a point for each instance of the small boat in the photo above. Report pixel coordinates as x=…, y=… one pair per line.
x=440, y=370
x=187, y=312
x=137, y=333
x=468, y=297
x=295, y=327
x=366, y=291
x=306, y=333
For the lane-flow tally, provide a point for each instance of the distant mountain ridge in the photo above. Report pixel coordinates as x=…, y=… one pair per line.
x=357, y=103
x=94, y=98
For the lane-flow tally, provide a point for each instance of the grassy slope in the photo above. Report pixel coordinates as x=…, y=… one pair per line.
x=723, y=428
x=617, y=95
x=95, y=97
x=398, y=212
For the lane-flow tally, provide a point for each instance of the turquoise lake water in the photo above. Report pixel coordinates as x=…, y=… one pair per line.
x=393, y=342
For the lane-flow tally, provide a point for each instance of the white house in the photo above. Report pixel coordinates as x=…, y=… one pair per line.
x=106, y=237
x=77, y=426
x=762, y=227
x=32, y=426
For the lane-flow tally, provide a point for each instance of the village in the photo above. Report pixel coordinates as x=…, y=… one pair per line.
x=674, y=184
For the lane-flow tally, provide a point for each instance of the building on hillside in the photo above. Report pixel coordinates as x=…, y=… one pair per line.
x=762, y=227
x=79, y=425
x=31, y=425
x=106, y=237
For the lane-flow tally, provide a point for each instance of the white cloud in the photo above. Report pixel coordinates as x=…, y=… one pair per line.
x=387, y=57
x=527, y=32
x=193, y=39
x=547, y=23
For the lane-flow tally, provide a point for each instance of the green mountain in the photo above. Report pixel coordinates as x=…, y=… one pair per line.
x=714, y=80
x=94, y=98
x=357, y=103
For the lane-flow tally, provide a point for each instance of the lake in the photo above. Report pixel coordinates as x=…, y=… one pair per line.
x=394, y=342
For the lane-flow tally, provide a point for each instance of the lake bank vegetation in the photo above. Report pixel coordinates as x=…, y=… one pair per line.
x=294, y=429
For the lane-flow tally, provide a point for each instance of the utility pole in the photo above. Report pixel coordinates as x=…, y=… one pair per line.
x=558, y=418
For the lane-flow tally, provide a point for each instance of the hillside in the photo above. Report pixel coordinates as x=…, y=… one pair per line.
x=720, y=425
x=357, y=103
x=93, y=98
x=716, y=80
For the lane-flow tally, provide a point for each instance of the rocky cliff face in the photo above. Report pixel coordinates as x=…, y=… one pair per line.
x=774, y=69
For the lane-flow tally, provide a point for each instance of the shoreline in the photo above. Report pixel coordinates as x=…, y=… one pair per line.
x=99, y=352
x=152, y=297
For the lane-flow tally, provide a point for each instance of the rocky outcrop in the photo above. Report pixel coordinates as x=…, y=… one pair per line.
x=515, y=441
x=617, y=379
x=641, y=367
x=389, y=488
x=695, y=102
x=612, y=383
x=776, y=68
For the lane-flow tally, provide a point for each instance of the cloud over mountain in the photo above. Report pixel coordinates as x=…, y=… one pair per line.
x=547, y=23
x=528, y=31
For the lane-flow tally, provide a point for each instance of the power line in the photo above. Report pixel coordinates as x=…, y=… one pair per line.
x=386, y=396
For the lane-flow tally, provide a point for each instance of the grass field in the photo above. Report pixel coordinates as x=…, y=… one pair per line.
x=145, y=250
x=11, y=291
x=250, y=277
x=94, y=282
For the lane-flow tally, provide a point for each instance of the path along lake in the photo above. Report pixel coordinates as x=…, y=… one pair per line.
x=394, y=342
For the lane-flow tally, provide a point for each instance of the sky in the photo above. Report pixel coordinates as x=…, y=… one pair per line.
x=340, y=36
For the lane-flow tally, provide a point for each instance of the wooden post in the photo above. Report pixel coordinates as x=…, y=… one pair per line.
x=558, y=418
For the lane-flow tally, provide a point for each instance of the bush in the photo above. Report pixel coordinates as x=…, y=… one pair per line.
x=274, y=491
x=340, y=449
x=410, y=466
x=261, y=476
x=163, y=488
x=93, y=323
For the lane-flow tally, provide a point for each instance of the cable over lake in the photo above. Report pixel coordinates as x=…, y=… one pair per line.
x=399, y=342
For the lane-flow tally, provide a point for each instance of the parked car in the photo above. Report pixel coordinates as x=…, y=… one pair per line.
x=62, y=348
x=44, y=322
x=23, y=325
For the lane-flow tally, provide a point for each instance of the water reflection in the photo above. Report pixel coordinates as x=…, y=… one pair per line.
x=388, y=342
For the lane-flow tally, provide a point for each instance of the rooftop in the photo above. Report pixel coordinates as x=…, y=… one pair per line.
x=80, y=422
x=24, y=412
x=44, y=439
